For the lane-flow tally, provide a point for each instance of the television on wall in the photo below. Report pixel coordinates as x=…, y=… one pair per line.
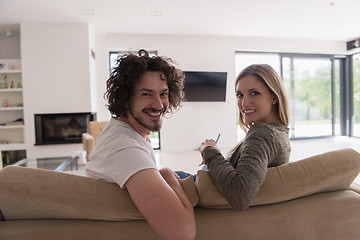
x=205, y=86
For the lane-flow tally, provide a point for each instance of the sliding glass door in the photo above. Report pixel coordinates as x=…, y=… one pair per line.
x=356, y=95
x=308, y=82
x=312, y=84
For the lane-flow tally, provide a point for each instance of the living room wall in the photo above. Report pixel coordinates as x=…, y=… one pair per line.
x=196, y=121
x=60, y=75
x=56, y=77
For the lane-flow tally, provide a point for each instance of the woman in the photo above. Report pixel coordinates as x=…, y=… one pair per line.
x=264, y=117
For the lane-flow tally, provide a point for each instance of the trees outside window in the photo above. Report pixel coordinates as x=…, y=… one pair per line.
x=312, y=87
x=309, y=83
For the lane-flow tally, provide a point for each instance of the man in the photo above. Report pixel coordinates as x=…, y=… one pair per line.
x=140, y=91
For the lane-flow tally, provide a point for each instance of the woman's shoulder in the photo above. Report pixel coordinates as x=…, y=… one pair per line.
x=272, y=127
x=271, y=136
x=268, y=131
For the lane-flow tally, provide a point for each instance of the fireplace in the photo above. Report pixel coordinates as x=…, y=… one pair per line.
x=61, y=128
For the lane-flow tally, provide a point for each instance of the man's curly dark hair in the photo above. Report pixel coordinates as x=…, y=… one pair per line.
x=126, y=74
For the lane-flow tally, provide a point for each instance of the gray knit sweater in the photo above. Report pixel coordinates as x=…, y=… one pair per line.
x=240, y=176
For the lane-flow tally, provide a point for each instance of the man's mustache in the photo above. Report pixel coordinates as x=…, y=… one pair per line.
x=163, y=110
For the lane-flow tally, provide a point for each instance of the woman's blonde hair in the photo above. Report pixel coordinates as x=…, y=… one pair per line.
x=273, y=81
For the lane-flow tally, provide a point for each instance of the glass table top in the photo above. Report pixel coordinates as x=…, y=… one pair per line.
x=58, y=164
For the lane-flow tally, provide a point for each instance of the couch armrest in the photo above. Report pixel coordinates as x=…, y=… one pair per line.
x=88, y=144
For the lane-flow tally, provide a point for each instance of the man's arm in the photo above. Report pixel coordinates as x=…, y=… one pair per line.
x=163, y=202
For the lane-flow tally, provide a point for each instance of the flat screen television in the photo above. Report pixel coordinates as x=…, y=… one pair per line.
x=205, y=86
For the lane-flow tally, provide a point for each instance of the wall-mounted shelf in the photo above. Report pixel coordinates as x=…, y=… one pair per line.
x=12, y=146
x=11, y=126
x=10, y=90
x=11, y=108
x=10, y=71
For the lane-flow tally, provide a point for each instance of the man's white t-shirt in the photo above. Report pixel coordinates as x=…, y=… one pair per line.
x=119, y=153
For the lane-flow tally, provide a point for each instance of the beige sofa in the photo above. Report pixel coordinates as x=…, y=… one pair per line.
x=314, y=198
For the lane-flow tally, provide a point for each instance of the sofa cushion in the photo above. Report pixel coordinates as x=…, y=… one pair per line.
x=27, y=193
x=330, y=171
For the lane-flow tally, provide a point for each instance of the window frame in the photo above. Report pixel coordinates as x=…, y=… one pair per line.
x=344, y=88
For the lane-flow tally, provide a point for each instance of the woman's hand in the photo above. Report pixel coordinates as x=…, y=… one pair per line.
x=207, y=143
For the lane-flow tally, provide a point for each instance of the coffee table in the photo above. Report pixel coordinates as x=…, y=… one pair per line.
x=58, y=164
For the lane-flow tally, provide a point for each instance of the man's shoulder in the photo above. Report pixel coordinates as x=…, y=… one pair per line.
x=120, y=134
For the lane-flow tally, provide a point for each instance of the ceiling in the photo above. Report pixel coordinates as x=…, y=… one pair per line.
x=336, y=20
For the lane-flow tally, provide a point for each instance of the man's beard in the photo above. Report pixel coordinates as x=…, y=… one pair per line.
x=143, y=123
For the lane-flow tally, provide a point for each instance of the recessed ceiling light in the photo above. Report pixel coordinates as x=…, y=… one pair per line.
x=157, y=13
x=286, y=19
x=87, y=12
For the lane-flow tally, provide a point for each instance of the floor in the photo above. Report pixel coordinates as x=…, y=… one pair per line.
x=189, y=161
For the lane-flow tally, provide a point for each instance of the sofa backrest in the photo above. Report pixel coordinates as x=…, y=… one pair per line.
x=27, y=193
x=331, y=171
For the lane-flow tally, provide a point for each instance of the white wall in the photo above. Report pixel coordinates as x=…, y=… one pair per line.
x=59, y=75
x=56, y=77
x=92, y=62
x=188, y=127
x=9, y=47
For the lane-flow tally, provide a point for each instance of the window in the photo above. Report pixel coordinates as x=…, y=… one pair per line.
x=337, y=101
x=154, y=136
x=244, y=59
x=356, y=95
x=309, y=88
x=312, y=86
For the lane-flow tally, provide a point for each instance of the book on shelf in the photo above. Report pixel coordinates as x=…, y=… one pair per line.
x=14, y=123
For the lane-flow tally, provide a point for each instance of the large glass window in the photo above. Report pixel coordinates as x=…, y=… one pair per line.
x=356, y=95
x=336, y=96
x=244, y=59
x=154, y=136
x=312, y=86
x=309, y=83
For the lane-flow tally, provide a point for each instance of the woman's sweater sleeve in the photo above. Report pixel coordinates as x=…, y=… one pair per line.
x=240, y=185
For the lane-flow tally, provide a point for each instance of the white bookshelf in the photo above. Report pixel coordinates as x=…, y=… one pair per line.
x=11, y=106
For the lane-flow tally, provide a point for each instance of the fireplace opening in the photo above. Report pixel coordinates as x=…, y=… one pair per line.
x=61, y=128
